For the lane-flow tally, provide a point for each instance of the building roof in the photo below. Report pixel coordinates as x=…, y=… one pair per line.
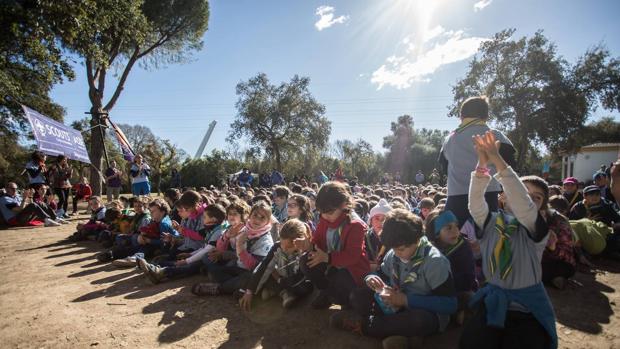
x=600, y=146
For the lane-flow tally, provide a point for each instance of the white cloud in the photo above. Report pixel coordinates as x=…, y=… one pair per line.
x=438, y=47
x=481, y=4
x=326, y=18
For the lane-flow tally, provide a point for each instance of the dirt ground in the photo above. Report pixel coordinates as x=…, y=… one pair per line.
x=54, y=294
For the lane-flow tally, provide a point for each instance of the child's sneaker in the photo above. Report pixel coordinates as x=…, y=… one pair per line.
x=141, y=264
x=287, y=299
x=154, y=273
x=61, y=221
x=126, y=262
x=51, y=223
x=346, y=320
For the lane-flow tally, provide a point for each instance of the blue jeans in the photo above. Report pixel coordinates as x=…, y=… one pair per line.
x=141, y=188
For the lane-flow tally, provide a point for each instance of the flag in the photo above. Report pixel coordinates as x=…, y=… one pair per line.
x=128, y=153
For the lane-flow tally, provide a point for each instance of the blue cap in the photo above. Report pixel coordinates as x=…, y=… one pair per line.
x=599, y=174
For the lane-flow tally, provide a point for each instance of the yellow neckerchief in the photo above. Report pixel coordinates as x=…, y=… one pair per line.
x=466, y=122
x=572, y=201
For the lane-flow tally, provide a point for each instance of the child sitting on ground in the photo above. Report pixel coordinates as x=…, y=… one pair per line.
x=411, y=295
x=513, y=309
x=214, y=216
x=151, y=238
x=95, y=224
x=191, y=208
x=252, y=244
x=279, y=272
x=374, y=247
x=280, y=199
x=442, y=229
x=336, y=262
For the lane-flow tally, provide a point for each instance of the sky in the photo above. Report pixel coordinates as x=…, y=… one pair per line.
x=369, y=61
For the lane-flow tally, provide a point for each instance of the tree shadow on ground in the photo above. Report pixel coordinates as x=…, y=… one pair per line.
x=583, y=305
x=63, y=242
x=267, y=325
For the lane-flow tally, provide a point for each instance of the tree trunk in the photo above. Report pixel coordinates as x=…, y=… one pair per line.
x=96, y=150
x=276, y=151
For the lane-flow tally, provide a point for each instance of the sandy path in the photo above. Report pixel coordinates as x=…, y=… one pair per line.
x=54, y=294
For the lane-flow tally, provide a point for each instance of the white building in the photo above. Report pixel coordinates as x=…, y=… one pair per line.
x=589, y=159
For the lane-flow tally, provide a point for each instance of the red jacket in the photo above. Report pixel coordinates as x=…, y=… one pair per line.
x=352, y=254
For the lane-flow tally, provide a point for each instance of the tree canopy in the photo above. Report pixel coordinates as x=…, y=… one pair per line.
x=281, y=119
x=535, y=94
x=119, y=34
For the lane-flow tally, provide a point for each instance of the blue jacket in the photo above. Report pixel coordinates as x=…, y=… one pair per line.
x=534, y=298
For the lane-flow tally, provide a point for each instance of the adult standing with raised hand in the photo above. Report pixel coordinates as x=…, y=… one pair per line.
x=140, y=172
x=60, y=179
x=113, y=181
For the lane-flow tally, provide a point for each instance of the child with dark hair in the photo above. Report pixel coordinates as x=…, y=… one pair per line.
x=280, y=197
x=513, y=309
x=280, y=273
x=171, y=196
x=298, y=207
x=336, y=261
x=560, y=204
x=252, y=244
x=191, y=208
x=411, y=295
x=442, y=230
x=425, y=207
x=213, y=220
x=458, y=157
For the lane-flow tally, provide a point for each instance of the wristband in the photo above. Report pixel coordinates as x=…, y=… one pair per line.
x=482, y=170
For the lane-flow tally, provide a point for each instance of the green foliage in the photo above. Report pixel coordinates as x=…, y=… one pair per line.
x=119, y=34
x=208, y=170
x=30, y=64
x=535, y=95
x=279, y=120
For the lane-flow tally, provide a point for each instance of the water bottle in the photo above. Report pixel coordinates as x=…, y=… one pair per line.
x=387, y=310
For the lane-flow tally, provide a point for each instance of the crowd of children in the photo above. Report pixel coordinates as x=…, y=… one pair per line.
x=401, y=261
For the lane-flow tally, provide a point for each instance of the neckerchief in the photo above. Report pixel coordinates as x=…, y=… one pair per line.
x=255, y=233
x=454, y=247
x=589, y=213
x=572, y=201
x=416, y=260
x=502, y=252
x=334, y=244
x=467, y=122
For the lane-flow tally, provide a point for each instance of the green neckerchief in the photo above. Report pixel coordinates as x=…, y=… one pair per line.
x=467, y=122
x=454, y=247
x=502, y=252
x=416, y=260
